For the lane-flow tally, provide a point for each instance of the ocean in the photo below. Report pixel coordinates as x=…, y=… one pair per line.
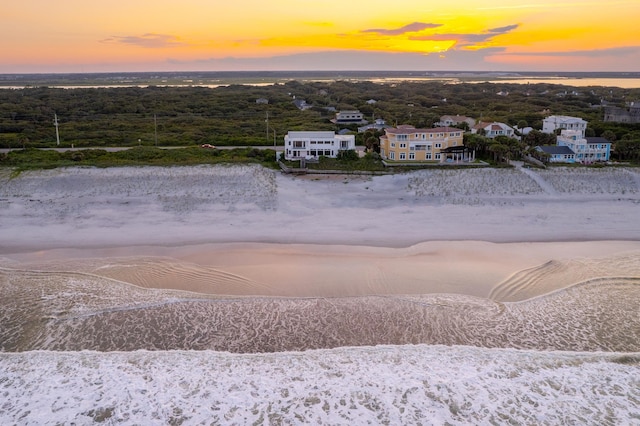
x=80, y=348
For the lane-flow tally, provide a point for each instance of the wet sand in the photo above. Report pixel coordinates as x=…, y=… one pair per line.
x=502, y=271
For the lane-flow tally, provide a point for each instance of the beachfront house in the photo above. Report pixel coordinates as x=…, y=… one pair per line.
x=572, y=147
x=492, y=130
x=587, y=150
x=299, y=145
x=558, y=154
x=407, y=143
x=563, y=122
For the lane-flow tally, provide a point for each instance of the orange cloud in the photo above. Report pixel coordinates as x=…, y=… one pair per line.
x=410, y=28
x=148, y=40
x=471, y=40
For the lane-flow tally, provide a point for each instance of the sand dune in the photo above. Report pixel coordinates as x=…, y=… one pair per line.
x=173, y=206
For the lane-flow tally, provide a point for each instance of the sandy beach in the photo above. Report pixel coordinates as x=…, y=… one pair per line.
x=245, y=230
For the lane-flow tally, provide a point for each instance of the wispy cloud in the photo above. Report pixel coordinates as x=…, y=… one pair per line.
x=149, y=40
x=409, y=28
x=593, y=53
x=467, y=40
x=555, y=5
x=502, y=30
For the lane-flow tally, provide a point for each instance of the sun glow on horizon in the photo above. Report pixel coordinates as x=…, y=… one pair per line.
x=37, y=36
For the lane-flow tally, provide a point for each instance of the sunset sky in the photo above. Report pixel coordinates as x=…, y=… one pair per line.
x=194, y=35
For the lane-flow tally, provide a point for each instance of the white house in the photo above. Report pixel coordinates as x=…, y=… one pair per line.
x=587, y=150
x=314, y=144
x=491, y=130
x=349, y=117
x=454, y=120
x=554, y=122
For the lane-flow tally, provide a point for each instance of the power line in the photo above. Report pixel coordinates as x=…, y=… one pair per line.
x=55, y=123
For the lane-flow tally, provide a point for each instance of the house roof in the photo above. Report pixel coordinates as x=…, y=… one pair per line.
x=556, y=149
x=454, y=149
x=457, y=118
x=596, y=140
x=564, y=119
x=406, y=129
x=491, y=126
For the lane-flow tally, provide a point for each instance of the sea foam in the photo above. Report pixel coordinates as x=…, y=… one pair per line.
x=368, y=385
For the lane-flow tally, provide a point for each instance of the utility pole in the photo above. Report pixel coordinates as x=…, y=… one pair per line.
x=55, y=123
x=155, y=129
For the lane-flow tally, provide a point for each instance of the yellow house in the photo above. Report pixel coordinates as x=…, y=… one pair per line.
x=406, y=143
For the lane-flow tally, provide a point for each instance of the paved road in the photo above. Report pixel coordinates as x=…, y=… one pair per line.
x=122, y=148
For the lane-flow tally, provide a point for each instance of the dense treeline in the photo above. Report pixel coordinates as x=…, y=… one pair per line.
x=183, y=116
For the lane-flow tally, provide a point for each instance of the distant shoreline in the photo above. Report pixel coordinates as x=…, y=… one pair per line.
x=223, y=78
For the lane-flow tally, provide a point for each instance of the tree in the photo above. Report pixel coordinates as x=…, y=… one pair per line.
x=372, y=144
x=347, y=155
x=627, y=149
x=609, y=135
x=499, y=151
x=538, y=138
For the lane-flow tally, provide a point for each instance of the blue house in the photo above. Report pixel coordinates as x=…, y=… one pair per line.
x=558, y=154
x=586, y=150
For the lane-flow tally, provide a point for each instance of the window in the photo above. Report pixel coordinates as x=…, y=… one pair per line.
x=402, y=137
x=412, y=156
x=393, y=144
x=403, y=156
x=403, y=145
x=438, y=145
x=438, y=156
x=298, y=144
x=392, y=155
x=428, y=156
